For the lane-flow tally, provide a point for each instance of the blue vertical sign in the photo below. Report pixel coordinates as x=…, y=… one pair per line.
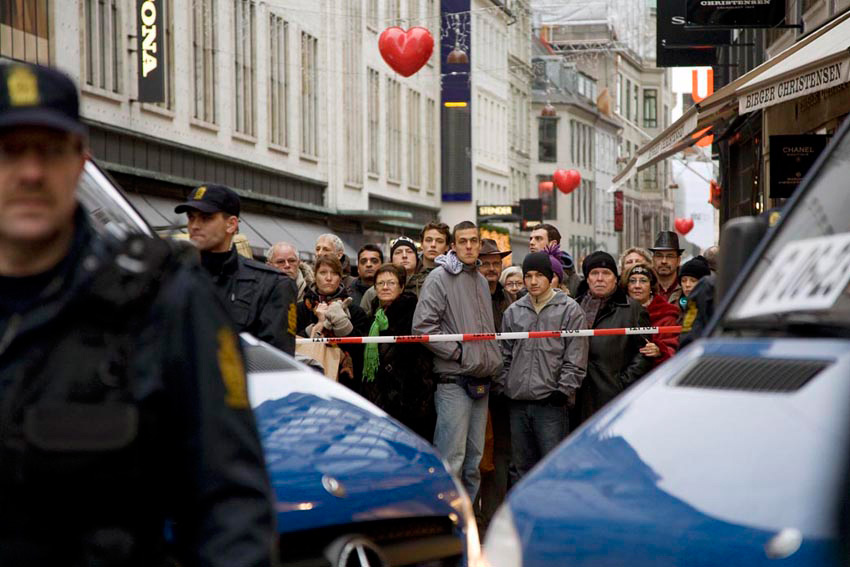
x=455, y=111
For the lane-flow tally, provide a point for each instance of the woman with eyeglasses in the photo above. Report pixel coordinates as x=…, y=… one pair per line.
x=639, y=282
x=511, y=280
x=397, y=377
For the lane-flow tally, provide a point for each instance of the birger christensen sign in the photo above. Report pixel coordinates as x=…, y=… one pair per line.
x=151, y=36
x=725, y=14
x=818, y=79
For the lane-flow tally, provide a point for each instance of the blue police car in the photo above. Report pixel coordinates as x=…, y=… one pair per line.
x=734, y=452
x=353, y=487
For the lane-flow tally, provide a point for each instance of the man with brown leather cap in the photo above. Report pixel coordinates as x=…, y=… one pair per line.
x=260, y=299
x=666, y=256
x=123, y=400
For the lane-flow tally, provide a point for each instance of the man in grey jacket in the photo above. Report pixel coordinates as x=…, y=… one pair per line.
x=540, y=376
x=455, y=298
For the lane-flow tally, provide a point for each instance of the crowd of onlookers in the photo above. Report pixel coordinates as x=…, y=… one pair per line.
x=493, y=408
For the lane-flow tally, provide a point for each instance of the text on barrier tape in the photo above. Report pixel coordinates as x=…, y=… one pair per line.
x=468, y=337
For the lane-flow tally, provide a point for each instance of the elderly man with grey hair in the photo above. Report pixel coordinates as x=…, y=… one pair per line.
x=329, y=243
x=284, y=257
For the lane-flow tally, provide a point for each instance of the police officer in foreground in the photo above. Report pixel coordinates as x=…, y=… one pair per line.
x=123, y=404
x=260, y=299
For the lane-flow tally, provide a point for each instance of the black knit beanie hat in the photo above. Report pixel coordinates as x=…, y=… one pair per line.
x=599, y=259
x=402, y=241
x=696, y=267
x=538, y=262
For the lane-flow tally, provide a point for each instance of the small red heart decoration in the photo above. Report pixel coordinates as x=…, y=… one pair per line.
x=566, y=180
x=545, y=186
x=406, y=51
x=684, y=226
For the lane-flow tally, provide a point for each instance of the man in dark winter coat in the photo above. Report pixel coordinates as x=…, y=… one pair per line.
x=615, y=362
x=122, y=384
x=260, y=299
x=369, y=259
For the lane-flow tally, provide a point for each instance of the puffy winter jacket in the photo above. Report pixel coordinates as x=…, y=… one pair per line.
x=455, y=298
x=536, y=368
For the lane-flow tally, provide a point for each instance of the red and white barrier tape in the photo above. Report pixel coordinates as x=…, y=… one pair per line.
x=467, y=337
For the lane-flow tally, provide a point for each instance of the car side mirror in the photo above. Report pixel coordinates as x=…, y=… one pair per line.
x=738, y=240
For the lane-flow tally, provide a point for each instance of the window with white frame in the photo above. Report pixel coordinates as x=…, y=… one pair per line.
x=25, y=34
x=168, y=54
x=414, y=144
x=309, y=95
x=352, y=98
x=278, y=80
x=394, y=130
x=104, y=49
x=431, y=127
x=244, y=64
x=412, y=13
x=393, y=12
x=204, y=60
x=372, y=17
x=650, y=108
x=373, y=117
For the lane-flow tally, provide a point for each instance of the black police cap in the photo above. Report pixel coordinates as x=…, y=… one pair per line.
x=32, y=95
x=211, y=199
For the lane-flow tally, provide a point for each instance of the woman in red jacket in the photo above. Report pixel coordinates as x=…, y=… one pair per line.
x=639, y=281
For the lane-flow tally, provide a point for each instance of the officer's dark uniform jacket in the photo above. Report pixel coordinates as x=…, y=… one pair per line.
x=123, y=410
x=260, y=299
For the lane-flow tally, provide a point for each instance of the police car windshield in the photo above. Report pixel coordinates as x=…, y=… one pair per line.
x=803, y=275
x=107, y=208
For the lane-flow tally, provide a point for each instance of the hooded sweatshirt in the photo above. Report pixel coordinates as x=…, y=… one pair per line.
x=455, y=298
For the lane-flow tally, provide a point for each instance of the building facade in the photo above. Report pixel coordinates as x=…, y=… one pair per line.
x=261, y=96
x=611, y=47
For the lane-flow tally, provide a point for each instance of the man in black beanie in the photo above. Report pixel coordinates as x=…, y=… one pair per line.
x=540, y=376
x=615, y=361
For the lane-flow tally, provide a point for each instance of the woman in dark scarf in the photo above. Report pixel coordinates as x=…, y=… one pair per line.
x=326, y=310
x=397, y=377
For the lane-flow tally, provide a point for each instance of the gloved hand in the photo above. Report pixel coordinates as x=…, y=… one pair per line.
x=338, y=319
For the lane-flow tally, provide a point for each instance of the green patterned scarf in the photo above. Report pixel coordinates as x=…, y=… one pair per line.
x=370, y=359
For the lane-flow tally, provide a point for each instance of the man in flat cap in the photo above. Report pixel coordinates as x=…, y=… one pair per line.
x=123, y=400
x=260, y=299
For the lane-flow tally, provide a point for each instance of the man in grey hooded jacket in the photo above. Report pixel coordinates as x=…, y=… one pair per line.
x=540, y=376
x=455, y=298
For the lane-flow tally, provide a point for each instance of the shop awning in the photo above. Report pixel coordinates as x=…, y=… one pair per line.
x=261, y=230
x=820, y=63
x=823, y=48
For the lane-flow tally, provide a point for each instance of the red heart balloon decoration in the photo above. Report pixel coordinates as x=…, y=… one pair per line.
x=406, y=51
x=566, y=180
x=684, y=226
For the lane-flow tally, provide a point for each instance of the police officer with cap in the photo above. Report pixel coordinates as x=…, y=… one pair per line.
x=123, y=403
x=260, y=299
